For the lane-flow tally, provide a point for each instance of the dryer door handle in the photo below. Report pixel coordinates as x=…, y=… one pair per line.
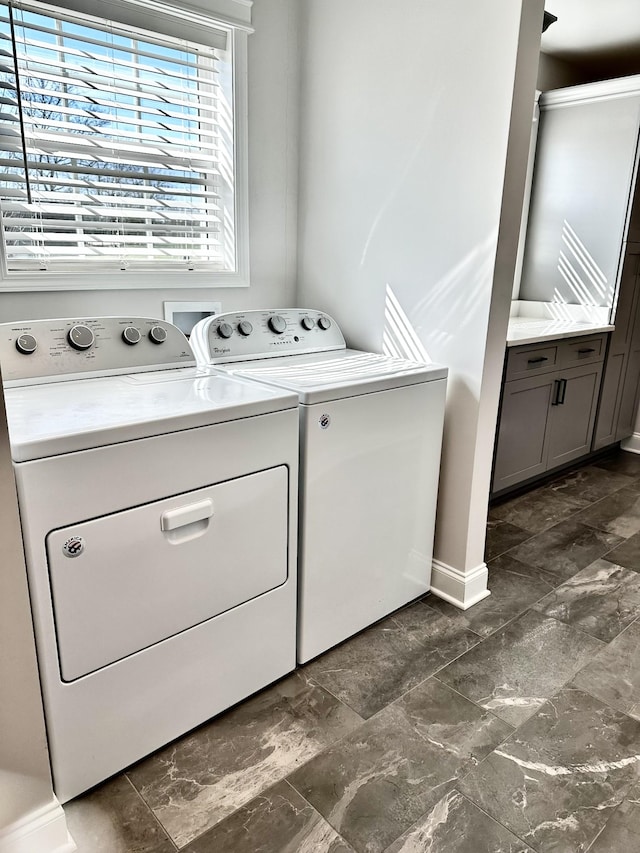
x=184, y=515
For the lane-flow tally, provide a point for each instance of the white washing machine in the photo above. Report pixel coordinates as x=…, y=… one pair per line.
x=370, y=442
x=158, y=508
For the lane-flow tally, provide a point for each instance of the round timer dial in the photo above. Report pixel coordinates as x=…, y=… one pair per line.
x=131, y=336
x=324, y=323
x=81, y=337
x=277, y=324
x=225, y=330
x=26, y=344
x=157, y=334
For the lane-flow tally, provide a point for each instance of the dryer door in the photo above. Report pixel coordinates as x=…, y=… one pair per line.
x=126, y=581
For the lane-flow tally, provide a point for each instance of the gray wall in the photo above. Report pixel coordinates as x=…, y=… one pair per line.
x=554, y=73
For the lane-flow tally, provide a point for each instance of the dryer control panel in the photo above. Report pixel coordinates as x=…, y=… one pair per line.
x=248, y=335
x=34, y=351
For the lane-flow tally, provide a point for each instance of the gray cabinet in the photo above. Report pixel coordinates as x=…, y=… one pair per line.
x=619, y=398
x=630, y=386
x=583, y=236
x=548, y=407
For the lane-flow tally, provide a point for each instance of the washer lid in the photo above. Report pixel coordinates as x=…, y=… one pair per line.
x=320, y=377
x=56, y=418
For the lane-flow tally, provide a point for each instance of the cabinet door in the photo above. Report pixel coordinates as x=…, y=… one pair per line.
x=629, y=401
x=629, y=395
x=614, y=380
x=617, y=400
x=571, y=420
x=634, y=219
x=611, y=397
x=522, y=447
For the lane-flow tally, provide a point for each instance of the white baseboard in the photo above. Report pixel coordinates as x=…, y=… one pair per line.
x=632, y=444
x=463, y=589
x=41, y=831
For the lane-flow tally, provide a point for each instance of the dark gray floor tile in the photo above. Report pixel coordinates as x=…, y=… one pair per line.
x=614, y=675
x=627, y=554
x=534, y=511
x=456, y=825
x=114, y=819
x=622, y=832
x=565, y=549
x=514, y=588
x=501, y=536
x=194, y=783
x=618, y=514
x=635, y=486
x=566, y=781
x=391, y=657
x=518, y=668
x=380, y=779
x=589, y=484
x=278, y=821
x=556, y=781
x=602, y=600
x=620, y=461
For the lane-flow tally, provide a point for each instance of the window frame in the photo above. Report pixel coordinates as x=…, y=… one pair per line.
x=115, y=279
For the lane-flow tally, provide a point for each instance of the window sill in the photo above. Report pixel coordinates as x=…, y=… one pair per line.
x=119, y=280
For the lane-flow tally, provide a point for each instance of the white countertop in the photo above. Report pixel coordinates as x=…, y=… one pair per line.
x=533, y=330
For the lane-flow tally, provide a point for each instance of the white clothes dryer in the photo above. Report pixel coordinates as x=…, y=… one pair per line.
x=370, y=442
x=157, y=504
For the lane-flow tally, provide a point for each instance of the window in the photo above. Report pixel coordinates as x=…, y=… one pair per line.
x=119, y=149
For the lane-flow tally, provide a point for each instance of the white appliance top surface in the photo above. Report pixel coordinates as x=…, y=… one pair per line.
x=62, y=417
x=323, y=376
x=530, y=330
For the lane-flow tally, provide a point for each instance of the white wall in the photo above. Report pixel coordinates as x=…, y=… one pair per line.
x=406, y=116
x=30, y=817
x=273, y=170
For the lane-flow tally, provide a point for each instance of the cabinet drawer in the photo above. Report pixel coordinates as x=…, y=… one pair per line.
x=582, y=350
x=531, y=360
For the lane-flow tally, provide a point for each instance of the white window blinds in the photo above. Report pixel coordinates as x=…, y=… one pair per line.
x=116, y=146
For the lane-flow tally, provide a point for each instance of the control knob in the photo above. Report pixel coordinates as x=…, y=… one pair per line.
x=225, y=330
x=81, y=337
x=324, y=323
x=277, y=324
x=245, y=328
x=307, y=323
x=131, y=336
x=157, y=334
x=26, y=344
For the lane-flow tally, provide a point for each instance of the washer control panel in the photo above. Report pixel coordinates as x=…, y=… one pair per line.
x=247, y=335
x=33, y=351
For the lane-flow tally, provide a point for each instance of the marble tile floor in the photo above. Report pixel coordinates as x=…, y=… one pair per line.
x=509, y=728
